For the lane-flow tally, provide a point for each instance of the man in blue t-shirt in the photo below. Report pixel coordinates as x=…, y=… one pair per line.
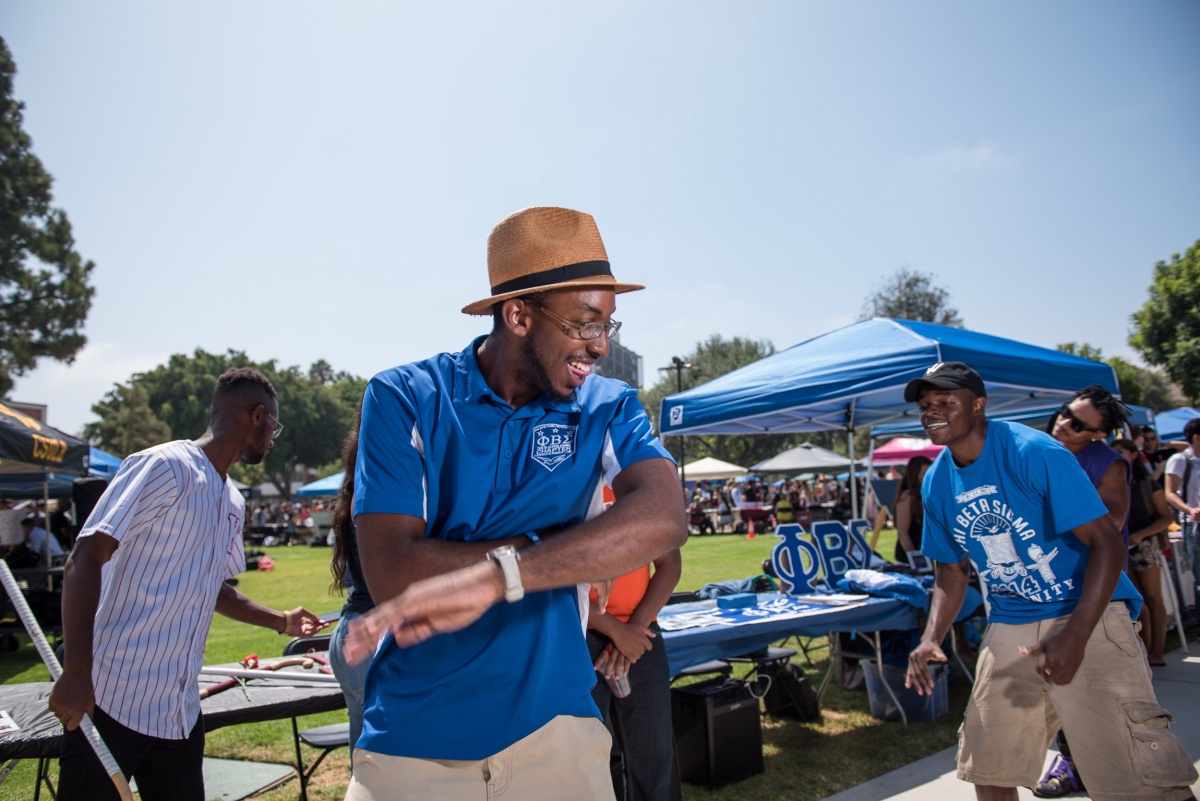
x=1061, y=649
x=466, y=463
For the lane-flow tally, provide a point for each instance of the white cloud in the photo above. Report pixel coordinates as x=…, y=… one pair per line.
x=960, y=158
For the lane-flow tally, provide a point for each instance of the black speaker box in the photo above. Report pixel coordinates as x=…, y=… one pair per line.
x=718, y=732
x=85, y=492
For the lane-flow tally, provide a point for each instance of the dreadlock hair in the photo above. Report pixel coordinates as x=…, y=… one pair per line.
x=1113, y=412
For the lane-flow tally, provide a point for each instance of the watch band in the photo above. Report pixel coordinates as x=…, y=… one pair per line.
x=506, y=556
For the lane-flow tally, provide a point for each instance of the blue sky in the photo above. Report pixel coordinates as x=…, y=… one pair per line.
x=309, y=180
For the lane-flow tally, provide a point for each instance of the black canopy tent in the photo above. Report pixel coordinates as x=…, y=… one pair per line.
x=31, y=449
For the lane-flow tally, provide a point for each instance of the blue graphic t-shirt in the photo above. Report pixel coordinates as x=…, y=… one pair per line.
x=438, y=444
x=1012, y=512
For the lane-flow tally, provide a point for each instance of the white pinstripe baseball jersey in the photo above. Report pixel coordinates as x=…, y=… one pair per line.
x=179, y=529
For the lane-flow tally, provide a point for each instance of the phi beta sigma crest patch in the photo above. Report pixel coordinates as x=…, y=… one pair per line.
x=553, y=444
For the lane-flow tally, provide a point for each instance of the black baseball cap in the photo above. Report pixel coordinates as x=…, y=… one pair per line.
x=946, y=375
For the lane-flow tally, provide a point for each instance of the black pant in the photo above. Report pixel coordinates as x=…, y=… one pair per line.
x=640, y=723
x=165, y=770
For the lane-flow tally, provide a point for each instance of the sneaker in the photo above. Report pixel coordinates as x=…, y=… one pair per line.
x=1061, y=779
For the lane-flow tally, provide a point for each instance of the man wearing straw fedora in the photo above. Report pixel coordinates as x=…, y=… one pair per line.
x=480, y=680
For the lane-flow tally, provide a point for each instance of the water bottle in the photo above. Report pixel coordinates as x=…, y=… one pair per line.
x=619, y=686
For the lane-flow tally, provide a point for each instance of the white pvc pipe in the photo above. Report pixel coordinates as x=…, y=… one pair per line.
x=47, y=654
x=288, y=675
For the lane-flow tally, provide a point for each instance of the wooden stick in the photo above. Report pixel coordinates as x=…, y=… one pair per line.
x=48, y=657
x=205, y=692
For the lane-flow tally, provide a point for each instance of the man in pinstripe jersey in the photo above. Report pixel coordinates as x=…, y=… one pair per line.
x=139, y=591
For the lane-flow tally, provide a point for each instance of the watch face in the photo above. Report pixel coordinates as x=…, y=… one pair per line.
x=507, y=557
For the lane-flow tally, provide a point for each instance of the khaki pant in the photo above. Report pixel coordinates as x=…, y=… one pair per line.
x=1120, y=737
x=565, y=759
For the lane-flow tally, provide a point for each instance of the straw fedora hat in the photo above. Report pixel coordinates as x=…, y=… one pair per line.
x=542, y=248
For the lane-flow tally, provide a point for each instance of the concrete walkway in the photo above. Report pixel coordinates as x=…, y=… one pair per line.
x=932, y=779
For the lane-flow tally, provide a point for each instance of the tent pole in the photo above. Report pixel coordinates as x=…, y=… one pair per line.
x=46, y=525
x=853, y=471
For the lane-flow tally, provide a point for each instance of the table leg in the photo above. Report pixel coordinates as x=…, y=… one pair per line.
x=835, y=656
x=875, y=638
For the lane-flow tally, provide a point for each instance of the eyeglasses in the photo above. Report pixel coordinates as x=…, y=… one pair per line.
x=278, y=429
x=585, y=330
x=1076, y=424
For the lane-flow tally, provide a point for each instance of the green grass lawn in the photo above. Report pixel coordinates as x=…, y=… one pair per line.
x=803, y=760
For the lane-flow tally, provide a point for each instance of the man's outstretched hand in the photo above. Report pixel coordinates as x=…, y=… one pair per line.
x=919, y=677
x=436, y=605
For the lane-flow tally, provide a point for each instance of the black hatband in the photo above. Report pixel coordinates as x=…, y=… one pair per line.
x=555, y=275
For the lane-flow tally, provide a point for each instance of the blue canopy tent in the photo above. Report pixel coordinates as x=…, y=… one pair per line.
x=103, y=464
x=322, y=486
x=855, y=376
x=1170, y=424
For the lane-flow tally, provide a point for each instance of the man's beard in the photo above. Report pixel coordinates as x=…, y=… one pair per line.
x=534, y=369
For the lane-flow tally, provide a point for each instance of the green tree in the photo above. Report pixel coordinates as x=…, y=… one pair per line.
x=1139, y=386
x=1167, y=328
x=711, y=359
x=315, y=423
x=44, y=292
x=127, y=424
x=1083, y=350
x=180, y=391
x=315, y=415
x=911, y=295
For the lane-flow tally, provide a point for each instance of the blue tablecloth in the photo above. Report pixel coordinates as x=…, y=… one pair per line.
x=775, y=617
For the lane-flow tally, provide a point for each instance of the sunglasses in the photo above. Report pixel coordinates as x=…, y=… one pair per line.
x=1076, y=424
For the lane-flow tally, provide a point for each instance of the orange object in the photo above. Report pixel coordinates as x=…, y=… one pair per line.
x=750, y=531
x=627, y=592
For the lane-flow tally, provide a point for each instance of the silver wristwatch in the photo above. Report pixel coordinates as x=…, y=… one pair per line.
x=507, y=557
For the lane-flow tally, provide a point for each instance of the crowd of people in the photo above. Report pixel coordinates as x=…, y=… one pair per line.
x=1044, y=519
x=283, y=523
x=509, y=527
x=720, y=505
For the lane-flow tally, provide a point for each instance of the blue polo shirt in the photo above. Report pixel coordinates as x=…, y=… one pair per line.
x=1012, y=511
x=437, y=443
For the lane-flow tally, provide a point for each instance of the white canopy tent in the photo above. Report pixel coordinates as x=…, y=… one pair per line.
x=710, y=468
x=805, y=457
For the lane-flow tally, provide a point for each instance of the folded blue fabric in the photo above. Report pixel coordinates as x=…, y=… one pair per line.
x=886, y=585
x=759, y=583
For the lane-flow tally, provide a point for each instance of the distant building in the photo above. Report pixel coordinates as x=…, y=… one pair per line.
x=37, y=411
x=620, y=363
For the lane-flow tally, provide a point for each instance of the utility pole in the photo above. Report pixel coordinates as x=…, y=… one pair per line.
x=679, y=365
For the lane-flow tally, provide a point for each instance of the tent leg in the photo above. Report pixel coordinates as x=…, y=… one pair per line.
x=853, y=478
x=46, y=525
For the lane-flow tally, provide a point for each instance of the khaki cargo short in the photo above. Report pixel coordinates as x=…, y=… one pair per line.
x=566, y=758
x=1120, y=737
